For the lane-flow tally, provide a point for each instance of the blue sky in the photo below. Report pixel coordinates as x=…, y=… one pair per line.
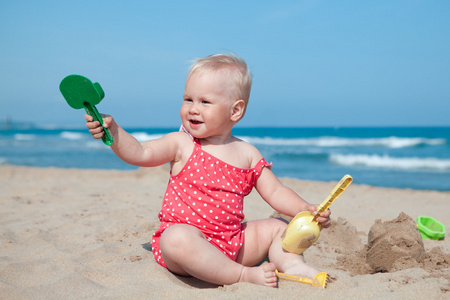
x=315, y=63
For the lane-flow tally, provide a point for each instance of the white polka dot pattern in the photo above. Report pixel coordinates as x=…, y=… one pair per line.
x=208, y=194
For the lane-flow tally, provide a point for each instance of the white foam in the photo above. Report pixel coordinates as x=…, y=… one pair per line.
x=143, y=136
x=386, y=161
x=389, y=142
x=24, y=137
x=68, y=135
x=96, y=144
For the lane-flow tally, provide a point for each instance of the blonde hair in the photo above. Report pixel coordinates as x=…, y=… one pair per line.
x=239, y=74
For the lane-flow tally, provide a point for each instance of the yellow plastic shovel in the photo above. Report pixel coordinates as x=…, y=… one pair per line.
x=320, y=279
x=304, y=230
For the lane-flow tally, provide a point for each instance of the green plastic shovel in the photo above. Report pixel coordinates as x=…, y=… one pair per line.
x=80, y=92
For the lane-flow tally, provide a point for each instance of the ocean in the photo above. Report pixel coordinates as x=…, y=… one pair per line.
x=399, y=157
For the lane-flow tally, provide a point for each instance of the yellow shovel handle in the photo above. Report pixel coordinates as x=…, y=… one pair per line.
x=336, y=192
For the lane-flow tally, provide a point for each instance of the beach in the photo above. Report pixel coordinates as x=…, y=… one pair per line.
x=84, y=233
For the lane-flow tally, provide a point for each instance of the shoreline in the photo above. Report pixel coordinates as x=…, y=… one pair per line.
x=71, y=233
x=135, y=169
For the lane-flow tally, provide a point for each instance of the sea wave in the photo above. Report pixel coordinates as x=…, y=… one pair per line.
x=24, y=137
x=389, y=142
x=68, y=135
x=95, y=144
x=386, y=161
x=143, y=136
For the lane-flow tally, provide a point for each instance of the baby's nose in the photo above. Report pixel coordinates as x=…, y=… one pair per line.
x=193, y=108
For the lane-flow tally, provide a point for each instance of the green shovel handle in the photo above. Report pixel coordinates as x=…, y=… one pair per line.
x=92, y=111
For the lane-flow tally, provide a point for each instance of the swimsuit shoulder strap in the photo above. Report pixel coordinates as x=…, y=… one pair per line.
x=195, y=140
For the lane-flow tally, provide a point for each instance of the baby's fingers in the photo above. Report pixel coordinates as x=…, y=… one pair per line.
x=326, y=214
x=324, y=219
x=93, y=125
x=97, y=132
x=88, y=118
x=324, y=222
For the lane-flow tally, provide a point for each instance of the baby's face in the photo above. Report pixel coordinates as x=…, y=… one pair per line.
x=207, y=104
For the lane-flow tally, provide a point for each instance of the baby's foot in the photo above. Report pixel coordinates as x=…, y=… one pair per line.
x=262, y=275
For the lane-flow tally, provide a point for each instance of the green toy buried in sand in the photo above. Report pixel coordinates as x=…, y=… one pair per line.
x=80, y=92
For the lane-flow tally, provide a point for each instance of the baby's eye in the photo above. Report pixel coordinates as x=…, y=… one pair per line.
x=205, y=102
x=188, y=100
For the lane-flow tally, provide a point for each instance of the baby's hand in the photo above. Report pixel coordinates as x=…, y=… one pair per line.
x=324, y=218
x=95, y=128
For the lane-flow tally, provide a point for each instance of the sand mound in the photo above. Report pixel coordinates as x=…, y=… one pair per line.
x=392, y=246
x=395, y=244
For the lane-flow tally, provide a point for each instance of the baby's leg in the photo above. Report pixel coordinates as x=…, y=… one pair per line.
x=186, y=251
x=262, y=238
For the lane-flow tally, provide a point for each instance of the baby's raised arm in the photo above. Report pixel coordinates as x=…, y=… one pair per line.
x=127, y=147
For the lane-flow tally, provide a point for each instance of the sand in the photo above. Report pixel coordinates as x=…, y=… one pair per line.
x=71, y=234
x=395, y=245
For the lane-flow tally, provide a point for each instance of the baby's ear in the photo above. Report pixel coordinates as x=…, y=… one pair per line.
x=238, y=110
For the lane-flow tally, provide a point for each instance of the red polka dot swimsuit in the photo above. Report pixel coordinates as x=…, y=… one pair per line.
x=208, y=194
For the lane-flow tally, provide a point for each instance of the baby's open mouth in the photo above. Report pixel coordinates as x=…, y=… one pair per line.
x=195, y=122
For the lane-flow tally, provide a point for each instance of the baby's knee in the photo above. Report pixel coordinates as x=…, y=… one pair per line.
x=278, y=224
x=275, y=226
x=172, y=236
x=177, y=237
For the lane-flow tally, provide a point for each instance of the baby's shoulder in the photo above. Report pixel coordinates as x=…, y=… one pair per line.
x=252, y=154
x=183, y=146
x=244, y=144
x=178, y=136
x=180, y=140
